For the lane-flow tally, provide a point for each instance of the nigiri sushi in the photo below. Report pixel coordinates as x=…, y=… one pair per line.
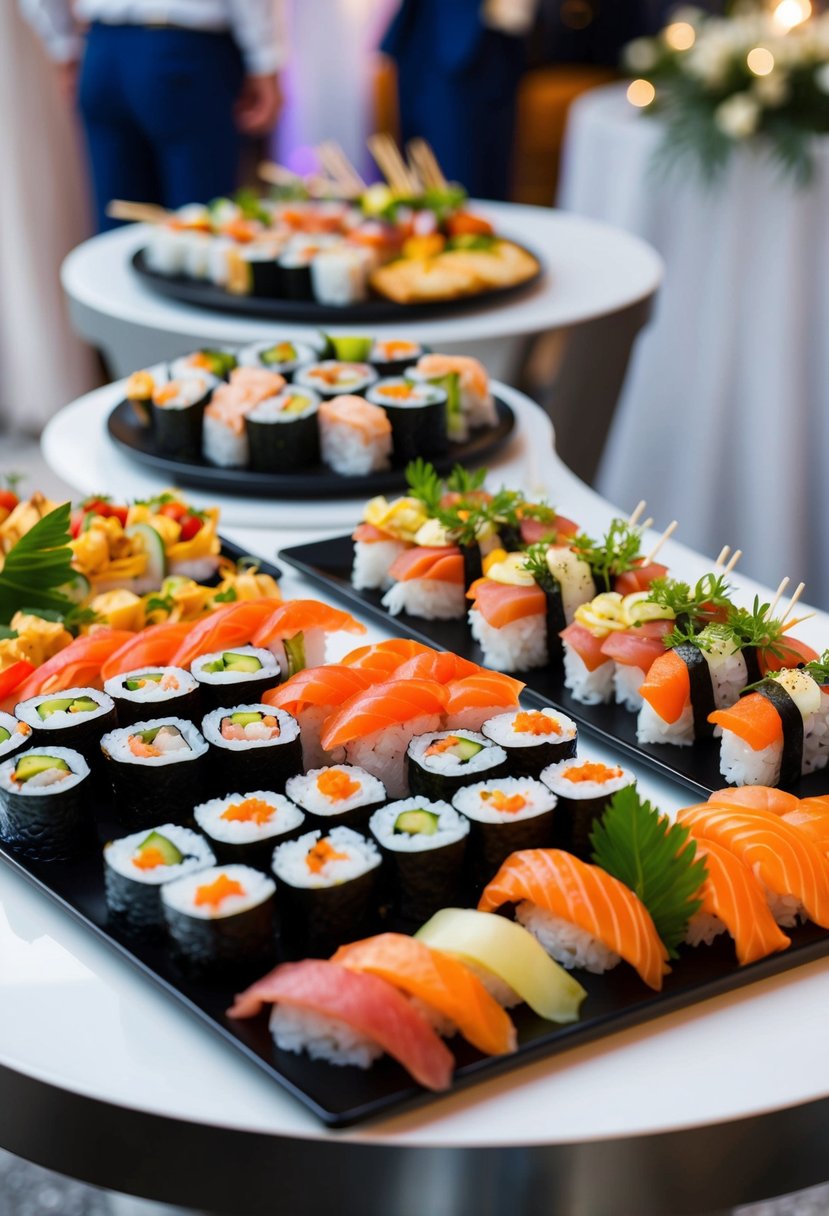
x=687, y=684
x=734, y=901
x=152, y=647
x=386, y=656
x=355, y=436
x=428, y=582
x=472, y=699
x=296, y=632
x=231, y=625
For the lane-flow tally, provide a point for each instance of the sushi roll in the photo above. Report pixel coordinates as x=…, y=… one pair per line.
x=423, y=844
x=225, y=441
x=327, y=887
x=160, y=762
x=355, y=436
x=137, y=866
x=246, y=828
x=417, y=413
x=440, y=764
x=584, y=789
x=341, y=795
x=44, y=803
x=428, y=582
x=177, y=415
x=283, y=432
x=393, y=356
x=165, y=250
x=336, y=377
x=339, y=276
x=75, y=718
x=294, y=266
x=283, y=357
x=254, y=270
x=168, y=690
x=505, y=814
x=221, y=920
x=533, y=738
x=13, y=735
x=252, y=746
x=139, y=390
x=209, y=361
x=476, y=401
x=227, y=677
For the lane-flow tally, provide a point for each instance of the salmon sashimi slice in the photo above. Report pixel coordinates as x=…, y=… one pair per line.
x=440, y=981
x=811, y=818
x=329, y=685
x=369, y=421
x=587, y=647
x=639, y=647
x=784, y=859
x=231, y=625
x=152, y=647
x=732, y=894
x=482, y=690
x=365, y=1003
x=640, y=578
x=382, y=706
x=586, y=896
x=301, y=616
x=440, y=665
x=502, y=603
x=368, y=534
x=443, y=565
x=667, y=686
x=78, y=665
x=757, y=798
x=753, y=719
x=393, y=651
x=536, y=531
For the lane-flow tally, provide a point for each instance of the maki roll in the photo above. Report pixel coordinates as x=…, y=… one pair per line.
x=282, y=357
x=139, y=391
x=136, y=867
x=13, y=735
x=245, y=827
x=533, y=738
x=44, y=804
x=423, y=845
x=226, y=677
x=205, y=362
x=294, y=266
x=392, y=356
x=584, y=789
x=327, y=887
x=253, y=270
x=252, y=745
x=168, y=690
x=441, y=764
x=334, y=377
x=506, y=814
x=339, y=276
x=355, y=436
x=283, y=432
x=162, y=762
x=341, y=794
x=222, y=919
x=75, y=718
x=178, y=413
x=417, y=413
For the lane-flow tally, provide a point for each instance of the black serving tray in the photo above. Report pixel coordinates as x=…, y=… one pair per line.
x=309, y=312
x=328, y=563
x=316, y=482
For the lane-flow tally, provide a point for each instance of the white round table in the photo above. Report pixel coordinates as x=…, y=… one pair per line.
x=103, y=1078
x=728, y=390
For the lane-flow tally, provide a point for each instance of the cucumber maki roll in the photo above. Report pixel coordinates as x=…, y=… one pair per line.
x=584, y=789
x=137, y=866
x=210, y=362
x=423, y=845
x=283, y=357
x=338, y=795
x=336, y=377
x=13, y=735
x=44, y=804
x=392, y=356
x=327, y=887
x=74, y=718
x=283, y=432
x=168, y=690
x=245, y=828
x=252, y=746
x=227, y=677
x=221, y=920
x=178, y=414
x=155, y=763
x=533, y=738
x=417, y=413
x=505, y=815
x=440, y=764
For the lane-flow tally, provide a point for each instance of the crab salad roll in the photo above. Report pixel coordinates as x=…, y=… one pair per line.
x=252, y=746
x=160, y=762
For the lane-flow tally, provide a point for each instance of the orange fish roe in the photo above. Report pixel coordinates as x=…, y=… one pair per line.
x=251, y=810
x=270, y=721
x=148, y=859
x=591, y=772
x=534, y=722
x=139, y=748
x=441, y=745
x=509, y=803
x=214, y=892
x=23, y=728
x=166, y=393
x=336, y=785
x=402, y=392
x=323, y=852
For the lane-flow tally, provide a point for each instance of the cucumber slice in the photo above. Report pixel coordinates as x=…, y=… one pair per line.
x=148, y=736
x=5, y=735
x=79, y=588
x=83, y=705
x=295, y=653
x=351, y=349
x=57, y=706
x=172, y=856
x=245, y=718
x=295, y=405
x=31, y=766
x=219, y=362
x=416, y=823
x=283, y=352
x=151, y=543
x=153, y=677
x=241, y=662
x=465, y=749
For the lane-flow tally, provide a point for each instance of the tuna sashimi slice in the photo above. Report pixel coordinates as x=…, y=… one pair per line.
x=502, y=603
x=443, y=565
x=382, y=706
x=587, y=647
x=368, y=1004
x=586, y=896
x=732, y=893
x=442, y=982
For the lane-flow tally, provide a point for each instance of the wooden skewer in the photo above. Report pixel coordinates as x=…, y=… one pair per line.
x=784, y=582
x=636, y=513
x=799, y=589
x=277, y=175
x=142, y=213
x=340, y=169
x=391, y=163
x=426, y=164
x=723, y=554
x=669, y=531
x=646, y=523
x=735, y=557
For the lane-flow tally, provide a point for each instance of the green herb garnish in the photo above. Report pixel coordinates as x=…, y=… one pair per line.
x=753, y=627
x=38, y=566
x=465, y=481
x=424, y=484
x=655, y=858
x=226, y=597
x=617, y=552
x=694, y=607
x=536, y=564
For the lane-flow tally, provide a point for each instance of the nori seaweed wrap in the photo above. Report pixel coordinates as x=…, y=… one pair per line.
x=339, y=795
x=137, y=866
x=221, y=920
x=252, y=747
x=584, y=790
x=423, y=845
x=228, y=677
x=283, y=432
x=533, y=738
x=442, y=762
x=45, y=811
x=418, y=417
x=506, y=814
x=155, y=690
x=155, y=764
x=74, y=718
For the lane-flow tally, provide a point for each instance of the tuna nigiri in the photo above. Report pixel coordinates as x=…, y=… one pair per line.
x=428, y=583
x=732, y=899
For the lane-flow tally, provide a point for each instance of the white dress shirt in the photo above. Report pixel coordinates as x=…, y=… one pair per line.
x=257, y=26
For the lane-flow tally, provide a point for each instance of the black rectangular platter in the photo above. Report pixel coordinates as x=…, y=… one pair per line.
x=328, y=564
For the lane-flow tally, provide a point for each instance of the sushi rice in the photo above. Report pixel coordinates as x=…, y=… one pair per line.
x=518, y=646
x=568, y=944
x=305, y=792
x=451, y=826
x=196, y=855
x=359, y=856
x=213, y=820
x=476, y=801
x=180, y=896
x=174, y=682
x=429, y=599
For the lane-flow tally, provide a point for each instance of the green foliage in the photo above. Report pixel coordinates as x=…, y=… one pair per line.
x=424, y=484
x=37, y=567
x=614, y=554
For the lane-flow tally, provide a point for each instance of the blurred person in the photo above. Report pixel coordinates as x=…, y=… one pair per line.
x=166, y=91
x=458, y=67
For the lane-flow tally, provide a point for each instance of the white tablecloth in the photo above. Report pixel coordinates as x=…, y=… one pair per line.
x=724, y=418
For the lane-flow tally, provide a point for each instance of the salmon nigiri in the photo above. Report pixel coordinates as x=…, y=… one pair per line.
x=811, y=816
x=474, y=698
x=502, y=604
x=734, y=898
x=304, y=616
x=439, y=981
x=557, y=895
x=756, y=798
x=152, y=647
x=78, y=665
x=231, y=625
x=440, y=665
x=428, y=582
x=386, y=656
x=312, y=696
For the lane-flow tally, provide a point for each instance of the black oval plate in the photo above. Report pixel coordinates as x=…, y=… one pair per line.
x=317, y=481
x=309, y=312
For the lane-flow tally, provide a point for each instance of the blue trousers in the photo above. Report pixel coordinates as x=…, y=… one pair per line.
x=157, y=111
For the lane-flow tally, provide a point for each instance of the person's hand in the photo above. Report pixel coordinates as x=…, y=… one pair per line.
x=66, y=75
x=258, y=105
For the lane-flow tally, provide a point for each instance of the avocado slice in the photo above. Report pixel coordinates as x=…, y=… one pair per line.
x=295, y=405
x=172, y=855
x=83, y=705
x=244, y=717
x=139, y=681
x=4, y=734
x=240, y=662
x=416, y=823
x=351, y=349
x=295, y=653
x=148, y=736
x=57, y=706
x=31, y=766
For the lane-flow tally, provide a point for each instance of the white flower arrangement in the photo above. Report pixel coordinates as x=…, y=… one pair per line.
x=718, y=82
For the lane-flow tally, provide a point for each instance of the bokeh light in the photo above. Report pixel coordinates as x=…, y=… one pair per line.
x=680, y=35
x=640, y=93
x=760, y=61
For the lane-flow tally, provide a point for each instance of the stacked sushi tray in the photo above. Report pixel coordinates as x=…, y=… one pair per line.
x=384, y=877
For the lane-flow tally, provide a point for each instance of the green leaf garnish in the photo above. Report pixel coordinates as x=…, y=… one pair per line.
x=6, y=634
x=694, y=607
x=424, y=484
x=465, y=481
x=226, y=597
x=536, y=564
x=615, y=554
x=37, y=566
x=655, y=858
